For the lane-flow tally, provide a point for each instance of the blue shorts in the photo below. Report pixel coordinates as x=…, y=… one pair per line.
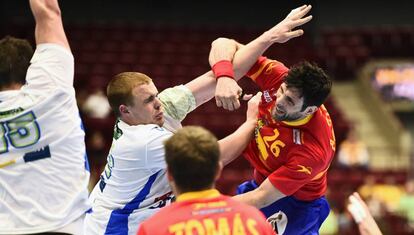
x=290, y=216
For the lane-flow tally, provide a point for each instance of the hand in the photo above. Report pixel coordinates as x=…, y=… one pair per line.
x=253, y=107
x=283, y=31
x=228, y=93
x=360, y=212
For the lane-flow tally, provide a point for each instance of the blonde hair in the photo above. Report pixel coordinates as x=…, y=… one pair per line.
x=119, y=89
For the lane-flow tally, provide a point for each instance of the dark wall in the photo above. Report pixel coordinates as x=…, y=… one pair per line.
x=240, y=13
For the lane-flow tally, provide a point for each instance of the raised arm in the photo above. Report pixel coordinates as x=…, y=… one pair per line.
x=245, y=58
x=227, y=90
x=49, y=27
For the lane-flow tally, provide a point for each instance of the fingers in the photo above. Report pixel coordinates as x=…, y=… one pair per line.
x=295, y=19
x=302, y=12
x=231, y=104
x=294, y=34
x=236, y=103
x=356, y=208
x=298, y=9
x=253, y=107
x=300, y=22
x=358, y=197
x=258, y=95
x=227, y=94
x=246, y=97
x=218, y=102
x=256, y=98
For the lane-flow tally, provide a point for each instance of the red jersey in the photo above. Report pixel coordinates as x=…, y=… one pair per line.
x=294, y=156
x=206, y=212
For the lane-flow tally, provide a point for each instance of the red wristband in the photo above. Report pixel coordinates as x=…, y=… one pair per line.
x=223, y=68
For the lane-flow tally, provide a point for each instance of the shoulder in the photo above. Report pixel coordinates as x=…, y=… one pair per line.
x=140, y=136
x=265, y=66
x=142, y=131
x=50, y=52
x=322, y=119
x=51, y=66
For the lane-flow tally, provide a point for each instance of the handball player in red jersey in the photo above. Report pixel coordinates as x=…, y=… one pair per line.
x=294, y=141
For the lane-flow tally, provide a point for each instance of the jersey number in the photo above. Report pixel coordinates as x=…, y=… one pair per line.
x=106, y=174
x=19, y=132
x=264, y=143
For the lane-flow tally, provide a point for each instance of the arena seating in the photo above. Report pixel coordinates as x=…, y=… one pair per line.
x=172, y=55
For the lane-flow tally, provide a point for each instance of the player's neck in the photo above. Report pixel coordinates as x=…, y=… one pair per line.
x=300, y=121
x=13, y=86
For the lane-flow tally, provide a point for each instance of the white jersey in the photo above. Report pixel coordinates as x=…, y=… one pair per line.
x=43, y=167
x=134, y=185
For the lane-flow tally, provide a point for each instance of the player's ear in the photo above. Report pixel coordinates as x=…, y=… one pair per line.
x=169, y=176
x=123, y=109
x=219, y=169
x=310, y=110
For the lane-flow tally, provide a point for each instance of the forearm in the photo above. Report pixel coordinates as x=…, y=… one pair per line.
x=49, y=27
x=222, y=49
x=43, y=9
x=233, y=145
x=202, y=87
x=249, y=198
x=243, y=56
x=246, y=56
x=262, y=196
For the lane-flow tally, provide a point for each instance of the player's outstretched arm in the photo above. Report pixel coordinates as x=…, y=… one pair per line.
x=227, y=90
x=204, y=86
x=247, y=55
x=360, y=212
x=49, y=27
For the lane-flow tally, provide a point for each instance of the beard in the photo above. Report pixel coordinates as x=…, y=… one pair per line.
x=287, y=117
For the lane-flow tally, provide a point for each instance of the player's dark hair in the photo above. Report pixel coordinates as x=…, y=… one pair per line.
x=311, y=81
x=15, y=55
x=192, y=155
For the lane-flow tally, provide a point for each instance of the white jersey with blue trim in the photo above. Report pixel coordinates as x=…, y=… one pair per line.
x=134, y=184
x=43, y=169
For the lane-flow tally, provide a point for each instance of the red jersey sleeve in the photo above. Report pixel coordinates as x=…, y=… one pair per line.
x=302, y=168
x=267, y=73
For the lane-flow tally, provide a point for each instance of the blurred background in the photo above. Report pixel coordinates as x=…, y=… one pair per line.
x=366, y=46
